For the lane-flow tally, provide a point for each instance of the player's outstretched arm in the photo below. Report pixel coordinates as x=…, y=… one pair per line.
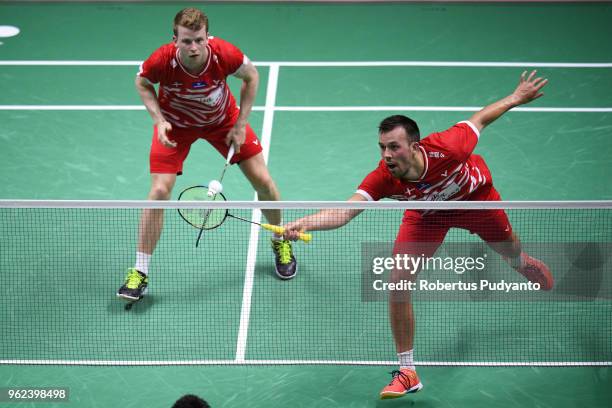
x=527, y=90
x=323, y=220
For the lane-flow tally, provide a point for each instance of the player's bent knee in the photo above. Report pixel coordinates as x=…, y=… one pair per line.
x=160, y=192
x=265, y=187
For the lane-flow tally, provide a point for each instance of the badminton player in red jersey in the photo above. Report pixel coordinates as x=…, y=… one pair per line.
x=438, y=167
x=194, y=102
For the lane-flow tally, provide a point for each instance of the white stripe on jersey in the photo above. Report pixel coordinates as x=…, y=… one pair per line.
x=183, y=110
x=196, y=106
x=474, y=128
x=464, y=176
x=170, y=116
x=239, y=73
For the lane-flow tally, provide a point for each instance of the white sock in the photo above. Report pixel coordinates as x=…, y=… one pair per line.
x=142, y=262
x=406, y=360
x=277, y=237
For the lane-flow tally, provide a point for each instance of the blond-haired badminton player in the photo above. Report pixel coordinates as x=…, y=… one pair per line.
x=194, y=102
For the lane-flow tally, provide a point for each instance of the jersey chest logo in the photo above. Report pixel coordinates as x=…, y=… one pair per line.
x=446, y=193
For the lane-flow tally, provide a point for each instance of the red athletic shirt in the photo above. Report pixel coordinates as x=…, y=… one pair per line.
x=201, y=100
x=452, y=172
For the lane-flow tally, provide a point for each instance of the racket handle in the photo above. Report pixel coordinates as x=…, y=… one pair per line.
x=230, y=154
x=280, y=230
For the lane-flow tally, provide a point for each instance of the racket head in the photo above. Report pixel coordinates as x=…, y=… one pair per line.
x=202, y=218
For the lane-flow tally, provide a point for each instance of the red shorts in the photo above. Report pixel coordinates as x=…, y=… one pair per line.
x=423, y=234
x=169, y=160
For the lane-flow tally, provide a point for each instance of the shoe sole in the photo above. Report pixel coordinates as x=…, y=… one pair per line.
x=392, y=395
x=286, y=277
x=132, y=298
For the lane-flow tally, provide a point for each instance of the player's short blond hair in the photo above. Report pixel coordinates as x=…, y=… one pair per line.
x=190, y=18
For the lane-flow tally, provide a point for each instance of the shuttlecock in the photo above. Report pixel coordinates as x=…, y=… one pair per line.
x=214, y=187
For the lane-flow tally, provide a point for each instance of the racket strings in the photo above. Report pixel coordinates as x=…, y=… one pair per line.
x=202, y=218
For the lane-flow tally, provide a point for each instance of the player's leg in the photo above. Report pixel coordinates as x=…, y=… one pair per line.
x=257, y=173
x=494, y=227
x=417, y=237
x=151, y=220
x=149, y=231
x=253, y=166
x=165, y=163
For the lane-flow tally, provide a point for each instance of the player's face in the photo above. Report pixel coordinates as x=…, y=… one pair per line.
x=191, y=45
x=397, y=152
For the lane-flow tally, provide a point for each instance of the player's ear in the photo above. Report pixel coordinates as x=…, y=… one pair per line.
x=174, y=38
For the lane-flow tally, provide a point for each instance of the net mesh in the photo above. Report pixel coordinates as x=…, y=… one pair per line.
x=222, y=303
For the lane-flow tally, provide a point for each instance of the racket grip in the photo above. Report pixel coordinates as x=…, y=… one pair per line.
x=280, y=230
x=230, y=153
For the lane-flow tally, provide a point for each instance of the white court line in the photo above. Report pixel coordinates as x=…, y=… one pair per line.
x=249, y=275
x=309, y=108
x=475, y=64
x=429, y=109
x=73, y=107
x=70, y=63
x=307, y=362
